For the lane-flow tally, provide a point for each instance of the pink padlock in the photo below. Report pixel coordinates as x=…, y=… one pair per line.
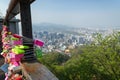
x=6, y=76
x=16, y=63
x=3, y=36
x=5, y=28
x=38, y=43
x=17, y=36
x=15, y=57
x=17, y=42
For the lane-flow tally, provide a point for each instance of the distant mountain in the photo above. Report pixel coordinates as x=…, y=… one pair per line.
x=50, y=27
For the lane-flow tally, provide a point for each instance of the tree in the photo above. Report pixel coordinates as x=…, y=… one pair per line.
x=97, y=61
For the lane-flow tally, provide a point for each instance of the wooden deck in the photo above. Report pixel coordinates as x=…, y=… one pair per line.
x=37, y=71
x=33, y=71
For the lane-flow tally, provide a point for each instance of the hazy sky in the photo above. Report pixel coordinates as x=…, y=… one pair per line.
x=77, y=13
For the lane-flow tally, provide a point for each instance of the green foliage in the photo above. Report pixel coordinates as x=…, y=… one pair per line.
x=38, y=52
x=54, y=58
x=98, y=61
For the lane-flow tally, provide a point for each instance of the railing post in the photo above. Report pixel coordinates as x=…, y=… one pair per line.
x=26, y=23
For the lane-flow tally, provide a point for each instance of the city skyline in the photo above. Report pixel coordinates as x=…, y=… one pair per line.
x=76, y=13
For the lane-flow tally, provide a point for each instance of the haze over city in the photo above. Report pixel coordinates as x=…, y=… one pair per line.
x=66, y=40
x=76, y=13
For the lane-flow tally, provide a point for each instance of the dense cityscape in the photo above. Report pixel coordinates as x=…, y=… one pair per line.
x=62, y=41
